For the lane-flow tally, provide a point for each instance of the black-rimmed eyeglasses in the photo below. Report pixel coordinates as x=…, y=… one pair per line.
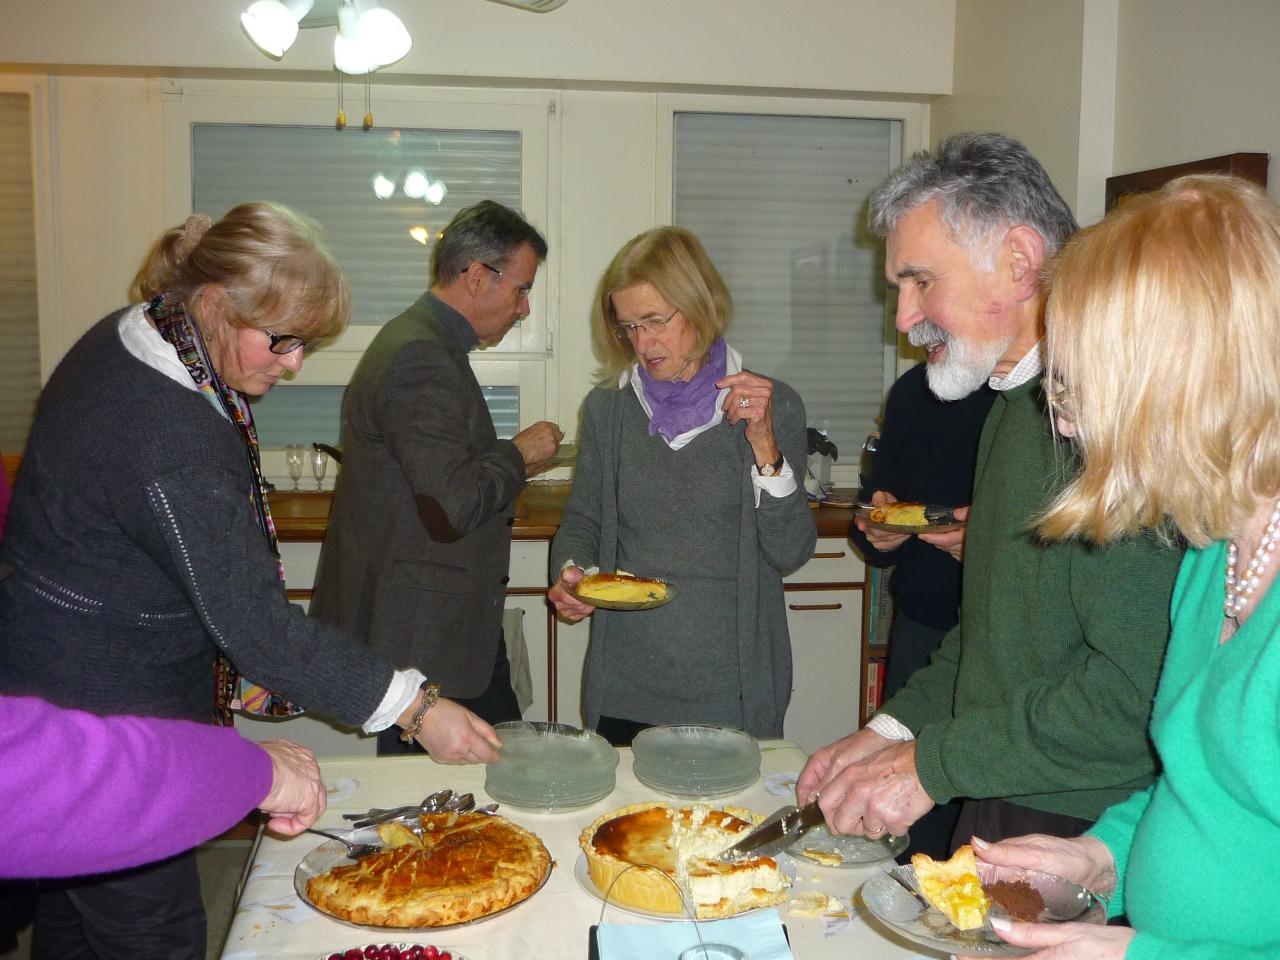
x=285, y=344
x=524, y=289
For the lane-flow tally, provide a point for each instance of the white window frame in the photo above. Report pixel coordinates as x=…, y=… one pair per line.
x=914, y=118
x=48, y=295
x=521, y=360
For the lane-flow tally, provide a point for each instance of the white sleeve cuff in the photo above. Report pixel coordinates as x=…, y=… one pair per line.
x=401, y=693
x=780, y=485
x=889, y=728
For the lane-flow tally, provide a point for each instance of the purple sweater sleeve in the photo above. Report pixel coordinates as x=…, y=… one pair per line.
x=89, y=794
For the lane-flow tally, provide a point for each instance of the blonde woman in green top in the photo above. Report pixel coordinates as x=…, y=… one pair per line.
x=1164, y=342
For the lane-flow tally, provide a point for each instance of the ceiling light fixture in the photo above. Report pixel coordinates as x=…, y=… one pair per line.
x=369, y=37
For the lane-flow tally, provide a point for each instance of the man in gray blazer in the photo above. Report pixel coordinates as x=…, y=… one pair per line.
x=419, y=539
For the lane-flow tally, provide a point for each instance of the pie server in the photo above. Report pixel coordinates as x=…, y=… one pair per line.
x=776, y=832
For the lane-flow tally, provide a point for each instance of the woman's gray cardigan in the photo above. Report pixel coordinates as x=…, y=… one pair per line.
x=773, y=540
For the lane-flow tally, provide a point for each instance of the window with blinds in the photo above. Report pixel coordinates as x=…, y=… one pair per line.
x=19, y=327
x=380, y=200
x=779, y=202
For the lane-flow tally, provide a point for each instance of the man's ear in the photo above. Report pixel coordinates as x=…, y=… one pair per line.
x=473, y=276
x=1025, y=249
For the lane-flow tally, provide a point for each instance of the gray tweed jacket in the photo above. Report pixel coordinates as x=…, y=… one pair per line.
x=419, y=540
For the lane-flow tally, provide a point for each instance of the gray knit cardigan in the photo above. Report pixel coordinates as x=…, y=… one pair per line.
x=773, y=540
x=132, y=553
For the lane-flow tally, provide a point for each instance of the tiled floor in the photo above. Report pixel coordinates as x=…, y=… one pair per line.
x=221, y=863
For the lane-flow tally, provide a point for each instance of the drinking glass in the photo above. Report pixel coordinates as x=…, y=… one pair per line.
x=319, y=463
x=294, y=457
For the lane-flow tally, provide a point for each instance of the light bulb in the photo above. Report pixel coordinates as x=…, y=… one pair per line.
x=382, y=187
x=420, y=234
x=270, y=26
x=415, y=184
x=384, y=35
x=435, y=192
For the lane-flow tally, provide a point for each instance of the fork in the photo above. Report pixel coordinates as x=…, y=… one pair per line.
x=354, y=850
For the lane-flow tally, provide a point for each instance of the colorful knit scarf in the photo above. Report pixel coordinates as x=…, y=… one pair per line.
x=169, y=315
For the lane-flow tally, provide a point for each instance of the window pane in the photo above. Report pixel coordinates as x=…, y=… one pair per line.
x=19, y=327
x=306, y=414
x=779, y=202
x=383, y=245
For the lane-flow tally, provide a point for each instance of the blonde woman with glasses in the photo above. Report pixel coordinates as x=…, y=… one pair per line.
x=1164, y=338
x=688, y=468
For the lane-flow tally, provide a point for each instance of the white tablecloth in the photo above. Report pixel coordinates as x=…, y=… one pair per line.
x=271, y=921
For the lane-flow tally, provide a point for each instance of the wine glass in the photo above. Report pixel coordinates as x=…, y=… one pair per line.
x=319, y=464
x=294, y=457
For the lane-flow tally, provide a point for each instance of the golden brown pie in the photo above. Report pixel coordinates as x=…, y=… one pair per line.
x=621, y=587
x=952, y=886
x=901, y=514
x=635, y=853
x=464, y=866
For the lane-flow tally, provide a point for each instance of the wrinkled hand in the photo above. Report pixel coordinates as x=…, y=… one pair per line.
x=1083, y=860
x=297, y=796
x=1066, y=941
x=826, y=762
x=567, y=605
x=882, y=540
x=453, y=734
x=538, y=442
x=950, y=541
x=757, y=391
x=876, y=795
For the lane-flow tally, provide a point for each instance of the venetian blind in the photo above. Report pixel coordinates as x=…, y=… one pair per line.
x=780, y=204
x=19, y=327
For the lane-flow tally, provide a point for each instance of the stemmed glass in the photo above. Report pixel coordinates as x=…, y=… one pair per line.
x=319, y=463
x=295, y=456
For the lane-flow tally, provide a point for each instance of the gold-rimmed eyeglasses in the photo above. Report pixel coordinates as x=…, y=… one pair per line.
x=653, y=326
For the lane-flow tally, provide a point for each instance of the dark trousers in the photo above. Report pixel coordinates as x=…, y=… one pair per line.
x=149, y=913
x=496, y=705
x=911, y=644
x=620, y=732
x=996, y=820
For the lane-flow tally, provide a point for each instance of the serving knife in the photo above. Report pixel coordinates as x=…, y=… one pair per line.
x=776, y=832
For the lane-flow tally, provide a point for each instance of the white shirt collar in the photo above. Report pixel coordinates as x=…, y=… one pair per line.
x=1031, y=364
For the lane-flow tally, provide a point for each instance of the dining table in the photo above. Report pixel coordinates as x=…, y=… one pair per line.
x=271, y=920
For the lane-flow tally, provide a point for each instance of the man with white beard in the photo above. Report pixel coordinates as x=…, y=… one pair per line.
x=1035, y=707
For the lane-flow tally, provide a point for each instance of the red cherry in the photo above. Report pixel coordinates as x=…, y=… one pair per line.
x=355, y=953
x=446, y=955
x=335, y=956
x=431, y=953
x=413, y=953
x=371, y=952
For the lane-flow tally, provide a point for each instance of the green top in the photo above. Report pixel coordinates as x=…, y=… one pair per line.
x=1198, y=854
x=1042, y=693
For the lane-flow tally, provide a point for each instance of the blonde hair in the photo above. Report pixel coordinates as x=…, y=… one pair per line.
x=1163, y=322
x=267, y=258
x=673, y=260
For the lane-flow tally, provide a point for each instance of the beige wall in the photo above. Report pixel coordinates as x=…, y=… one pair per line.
x=789, y=44
x=1197, y=80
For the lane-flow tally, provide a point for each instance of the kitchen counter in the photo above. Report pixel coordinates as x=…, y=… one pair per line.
x=301, y=516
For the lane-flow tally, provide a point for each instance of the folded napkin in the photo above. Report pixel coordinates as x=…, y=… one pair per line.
x=757, y=934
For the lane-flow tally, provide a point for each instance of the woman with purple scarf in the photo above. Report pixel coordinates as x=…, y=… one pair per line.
x=687, y=471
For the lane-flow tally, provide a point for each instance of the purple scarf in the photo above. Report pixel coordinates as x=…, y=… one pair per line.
x=680, y=405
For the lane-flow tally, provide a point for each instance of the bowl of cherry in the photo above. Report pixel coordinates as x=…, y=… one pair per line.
x=394, y=951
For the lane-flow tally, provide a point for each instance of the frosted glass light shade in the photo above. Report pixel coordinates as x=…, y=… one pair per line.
x=272, y=25
x=385, y=35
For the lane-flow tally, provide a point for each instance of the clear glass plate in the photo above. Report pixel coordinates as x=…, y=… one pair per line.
x=852, y=851
x=895, y=906
x=696, y=751
x=550, y=766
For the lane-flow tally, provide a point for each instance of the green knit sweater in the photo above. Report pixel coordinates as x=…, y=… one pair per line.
x=1198, y=854
x=1042, y=693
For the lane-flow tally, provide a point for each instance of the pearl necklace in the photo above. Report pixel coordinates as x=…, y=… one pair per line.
x=1240, y=589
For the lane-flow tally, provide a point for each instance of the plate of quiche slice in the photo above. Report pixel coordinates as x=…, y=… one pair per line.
x=623, y=591
x=453, y=869
x=946, y=905
x=908, y=516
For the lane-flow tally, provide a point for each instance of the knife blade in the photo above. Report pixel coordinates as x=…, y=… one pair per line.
x=776, y=832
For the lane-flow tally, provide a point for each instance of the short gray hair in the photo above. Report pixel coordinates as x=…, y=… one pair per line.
x=487, y=232
x=983, y=182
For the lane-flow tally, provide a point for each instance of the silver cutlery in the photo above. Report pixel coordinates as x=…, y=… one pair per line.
x=355, y=850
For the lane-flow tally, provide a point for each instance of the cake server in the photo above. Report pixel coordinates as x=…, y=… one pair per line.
x=777, y=832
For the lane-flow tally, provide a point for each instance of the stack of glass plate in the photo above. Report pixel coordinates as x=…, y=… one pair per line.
x=696, y=761
x=550, y=766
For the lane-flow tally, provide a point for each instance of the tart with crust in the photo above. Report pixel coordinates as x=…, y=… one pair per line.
x=620, y=587
x=901, y=514
x=461, y=868
x=634, y=855
x=952, y=887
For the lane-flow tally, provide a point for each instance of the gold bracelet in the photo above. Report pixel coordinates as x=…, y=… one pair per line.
x=431, y=693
